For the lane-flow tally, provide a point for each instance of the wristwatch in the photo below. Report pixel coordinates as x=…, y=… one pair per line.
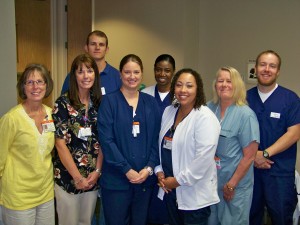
x=266, y=154
x=149, y=169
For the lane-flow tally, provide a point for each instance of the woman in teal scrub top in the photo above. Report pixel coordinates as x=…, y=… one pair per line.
x=238, y=143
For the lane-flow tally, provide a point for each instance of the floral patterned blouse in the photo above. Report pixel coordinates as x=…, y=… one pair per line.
x=68, y=122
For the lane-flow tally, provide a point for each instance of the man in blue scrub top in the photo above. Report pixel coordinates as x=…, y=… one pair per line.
x=97, y=47
x=278, y=113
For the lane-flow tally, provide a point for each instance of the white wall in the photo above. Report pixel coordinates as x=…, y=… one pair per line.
x=8, y=64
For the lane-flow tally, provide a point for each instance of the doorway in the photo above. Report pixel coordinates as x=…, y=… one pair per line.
x=52, y=33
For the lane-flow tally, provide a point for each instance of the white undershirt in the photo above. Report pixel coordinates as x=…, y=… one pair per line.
x=162, y=95
x=265, y=96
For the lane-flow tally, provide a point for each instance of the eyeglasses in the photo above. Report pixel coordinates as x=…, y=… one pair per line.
x=30, y=83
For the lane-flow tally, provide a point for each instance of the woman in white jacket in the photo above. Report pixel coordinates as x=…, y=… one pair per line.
x=188, y=140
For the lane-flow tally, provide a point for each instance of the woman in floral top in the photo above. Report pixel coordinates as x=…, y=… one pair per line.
x=79, y=159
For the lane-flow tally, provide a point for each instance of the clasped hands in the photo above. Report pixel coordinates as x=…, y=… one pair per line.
x=167, y=184
x=88, y=182
x=261, y=162
x=135, y=177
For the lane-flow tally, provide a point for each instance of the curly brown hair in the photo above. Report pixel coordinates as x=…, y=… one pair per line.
x=200, y=96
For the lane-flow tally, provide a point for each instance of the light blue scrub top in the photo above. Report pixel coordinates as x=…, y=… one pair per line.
x=239, y=127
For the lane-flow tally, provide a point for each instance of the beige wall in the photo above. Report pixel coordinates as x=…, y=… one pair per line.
x=148, y=29
x=204, y=35
x=8, y=65
x=235, y=31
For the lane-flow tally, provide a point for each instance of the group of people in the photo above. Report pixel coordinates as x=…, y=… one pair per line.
x=162, y=155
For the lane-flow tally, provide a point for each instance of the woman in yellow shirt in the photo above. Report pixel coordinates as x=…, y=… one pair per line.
x=27, y=139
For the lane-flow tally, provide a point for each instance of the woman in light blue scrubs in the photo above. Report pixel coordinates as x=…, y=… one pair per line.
x=237, y=147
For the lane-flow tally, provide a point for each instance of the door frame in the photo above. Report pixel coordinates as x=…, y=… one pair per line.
x=58, y=43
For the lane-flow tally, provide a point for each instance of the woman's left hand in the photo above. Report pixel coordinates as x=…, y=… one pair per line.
x=92, y=179
x=228, y=194
x=144, y=173
x=140, y=176
x=170, y=183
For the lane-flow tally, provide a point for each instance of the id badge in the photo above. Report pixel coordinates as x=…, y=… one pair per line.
x=167, y=143
x=135, y=129
x=103, y=91
x=218, y=162
x=86, y=131
x=83, y=133
x=275, y=115
x=48, y=126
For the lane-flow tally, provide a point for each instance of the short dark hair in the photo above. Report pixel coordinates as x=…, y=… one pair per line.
x=269, y=52
x=165, y=57
x=89, y=62
x=98, y=33
x=131, y=58
x=30, y=68
x=200, y=96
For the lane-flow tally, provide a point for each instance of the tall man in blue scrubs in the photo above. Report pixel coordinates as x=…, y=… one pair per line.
x=278, y=113
x=97, y=47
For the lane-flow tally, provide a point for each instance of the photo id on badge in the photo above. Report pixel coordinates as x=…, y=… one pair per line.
x=167, y=144
x=135, y=129
x=218, y=162
x=48, y=126
x=86, y=131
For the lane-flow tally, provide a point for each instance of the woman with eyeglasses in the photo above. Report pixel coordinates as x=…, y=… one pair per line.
x=79, y=160
x=27, y=140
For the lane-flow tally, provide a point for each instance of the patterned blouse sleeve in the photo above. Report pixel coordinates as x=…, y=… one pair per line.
x=60, y=116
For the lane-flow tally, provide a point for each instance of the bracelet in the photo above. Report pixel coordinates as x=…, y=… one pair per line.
x=229, y=188
x=79, y=181
x=98, y=171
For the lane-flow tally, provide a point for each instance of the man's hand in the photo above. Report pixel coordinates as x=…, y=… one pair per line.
x=261, y=162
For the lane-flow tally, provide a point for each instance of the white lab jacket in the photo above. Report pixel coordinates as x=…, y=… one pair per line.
x=150, y=90
x=193, y=149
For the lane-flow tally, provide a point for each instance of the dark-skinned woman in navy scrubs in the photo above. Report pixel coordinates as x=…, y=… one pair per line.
x=164, y=69
x=128, y=125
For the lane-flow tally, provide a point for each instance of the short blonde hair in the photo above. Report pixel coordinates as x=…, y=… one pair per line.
x=238, y=86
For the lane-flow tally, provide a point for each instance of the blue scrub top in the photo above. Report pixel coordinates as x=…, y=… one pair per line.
x=239, y=127
x=122, y=151
x=279, y=112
